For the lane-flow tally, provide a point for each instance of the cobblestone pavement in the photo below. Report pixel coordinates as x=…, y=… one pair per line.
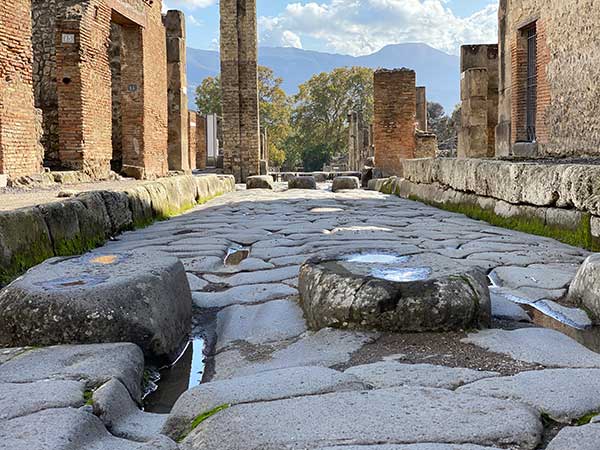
x=272, y=384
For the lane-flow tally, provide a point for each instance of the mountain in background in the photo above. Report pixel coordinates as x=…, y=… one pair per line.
x=436, y=70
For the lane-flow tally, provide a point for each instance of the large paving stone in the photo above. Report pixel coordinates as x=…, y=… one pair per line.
x=326, y=348
x=387, y=374
x=268, y=386
x=577, y=438
x=397, y=415
x=245, y=294
x=93, y=364
x=563, y=394
x=537, y=345
x=256, y=277
x=259, y=324
x=136, y=297
x=68, y=429
x=505, y=309
x=21, y=399
x=585, y=289
x=121, y=416
x=428, y=446
x=533, y=277
x=390, y=292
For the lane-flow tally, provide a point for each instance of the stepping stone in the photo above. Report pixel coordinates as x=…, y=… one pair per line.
x=260, y=182
x=397, y=415
x=302, y=182
x=384, y=291
x=68, y=429
x=538, y=346
x=93, y=364
x=585, y=289
x=272, y=321
x=326, y=348
x=268, y=386
x=387, y=374
x=553, y=391
x=136, y=297
x=577, y=438
x=246, y=294
x=411, y=447
x=342, y=183
x=119, y=413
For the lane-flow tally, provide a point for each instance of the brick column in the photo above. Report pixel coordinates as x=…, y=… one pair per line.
x=395, y=116
x=178, y=101
x=422, y=108
x=473, y=136
x=239, y=72
x=20, y=152
x=201, y=142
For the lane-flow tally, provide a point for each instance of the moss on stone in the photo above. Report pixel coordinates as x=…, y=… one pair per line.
x=581, y=236
x=20, y=263
x=586, y=419
x=201, y=418
x=88, y=397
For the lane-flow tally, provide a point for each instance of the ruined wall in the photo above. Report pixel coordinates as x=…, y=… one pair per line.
x=422, y=122
x=395, y=116
x=116, y=42
x=19, y=144
x=174, y=22
x=239, y=71
x=201, y=142
x=567, y=46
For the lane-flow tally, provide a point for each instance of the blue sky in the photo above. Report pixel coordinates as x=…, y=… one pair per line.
x=354, y=27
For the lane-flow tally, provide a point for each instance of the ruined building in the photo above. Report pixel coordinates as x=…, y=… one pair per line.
x=20, y=153
x=239, y=81
x=395, y=130
x=360, y=141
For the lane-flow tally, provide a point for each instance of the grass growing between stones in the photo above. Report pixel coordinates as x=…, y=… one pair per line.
x=201, y=418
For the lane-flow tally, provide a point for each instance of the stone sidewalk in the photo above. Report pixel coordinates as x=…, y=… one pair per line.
x=271, y=384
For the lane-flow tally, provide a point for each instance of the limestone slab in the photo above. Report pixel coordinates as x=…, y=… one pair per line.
x=246, y=294
x=504, y=309
x=387, y=374
x=397, y=415
x=267, y=386
x=537, y=345
x=428, y=446
x=585, y=289
x=563, y=394
x=256, y=277
x=577, y=438
x=546, y=278
x=277, y=320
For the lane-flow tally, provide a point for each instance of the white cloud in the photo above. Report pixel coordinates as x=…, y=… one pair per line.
x=359, y=27
x=193, y=21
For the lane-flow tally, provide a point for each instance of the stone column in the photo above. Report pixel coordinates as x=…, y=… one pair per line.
x=201, y=142
x=177, y=91
x=192, y=138
x=20, y=151
x=395, y=101
x=473, y=134
x=422, y=108
x=239, y=72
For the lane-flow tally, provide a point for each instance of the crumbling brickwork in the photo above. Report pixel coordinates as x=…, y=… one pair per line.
x=19, y=143
x=76, y=86
x=178, y=101
x=566, y=109
x=239, y=72
x=201, y=142
x=422, y=108
x=395, y=118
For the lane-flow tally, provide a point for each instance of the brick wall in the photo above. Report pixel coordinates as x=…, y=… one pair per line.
x=422, y=108
x=239, y=71
x=19, y=145
x=395, y=117
x=567, y=72
x=201, y=142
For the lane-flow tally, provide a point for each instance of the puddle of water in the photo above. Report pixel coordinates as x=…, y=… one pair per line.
x=235, y=255
x=325, y=210
x=174, y=380
x=402, y=274
x=66, y=283
x=590, y=337
x=376, y=258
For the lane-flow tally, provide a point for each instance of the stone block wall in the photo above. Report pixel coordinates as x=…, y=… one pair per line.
x=192, y=124
x=395, y=101
x=178, y=100
x=201, y=142
x=19, y=142
x=239, y=72
x=479, y=100
x=567, y=72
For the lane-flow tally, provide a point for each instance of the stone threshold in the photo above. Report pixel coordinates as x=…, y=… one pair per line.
x=577, y=227
x=30, y=235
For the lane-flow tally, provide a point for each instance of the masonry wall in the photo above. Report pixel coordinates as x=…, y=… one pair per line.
x=568, y=69
x=422, y=108
x=19, y=145
x=239, y=71
x=394, y=121
x=201, y=142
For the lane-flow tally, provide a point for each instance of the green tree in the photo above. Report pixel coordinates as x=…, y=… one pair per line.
x=320, y=114
x=274, y=105
x=445, y=127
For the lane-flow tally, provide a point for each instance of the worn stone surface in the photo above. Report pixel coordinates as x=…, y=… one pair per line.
x=504, y=309
x=551, y=391
x=387, y=374
x=342, y=183
x=129, y=297
x=397, y=415
x=256, y=293
x=393, y=292
x=268, y=386
x=577, y=438
x=585, y=289
x=428, y=446
x=537, y=345
x=260, y=182
x=260, y=324
x=302, y=182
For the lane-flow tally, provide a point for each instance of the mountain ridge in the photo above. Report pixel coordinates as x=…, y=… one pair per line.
x=436, y=70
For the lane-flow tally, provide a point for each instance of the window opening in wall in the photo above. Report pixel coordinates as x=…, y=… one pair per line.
x=531, y=34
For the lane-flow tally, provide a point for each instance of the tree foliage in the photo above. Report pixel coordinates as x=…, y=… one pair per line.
x=445, y=127
x=208, y=96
